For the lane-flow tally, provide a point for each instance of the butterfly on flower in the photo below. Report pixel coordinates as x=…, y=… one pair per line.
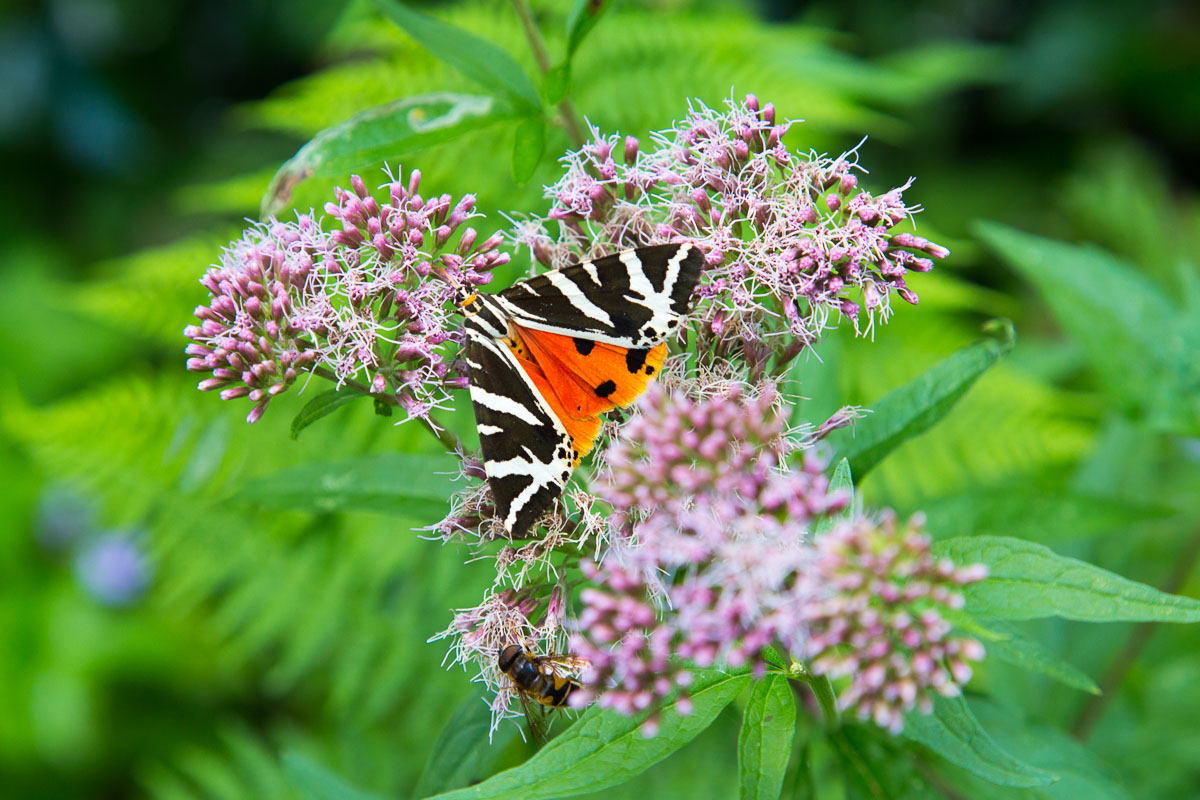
x=549, y=355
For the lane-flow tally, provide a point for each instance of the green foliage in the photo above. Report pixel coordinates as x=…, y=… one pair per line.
x=1027, y=580
x=476, y=58
x=291, y=590
x=396, y=483
x=605, y=748
x=323, y=404
x=914, y=408
x=379, y=134
x=765, y=743
x=953, y=733
x=1131, y=333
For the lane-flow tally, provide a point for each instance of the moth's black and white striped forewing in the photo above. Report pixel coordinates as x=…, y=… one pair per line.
x=527, y=453
x=632, y=300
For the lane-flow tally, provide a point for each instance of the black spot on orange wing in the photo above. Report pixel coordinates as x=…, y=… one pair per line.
x=583, y=346
x=636, y=359
x=649, y=370
x=606, y=388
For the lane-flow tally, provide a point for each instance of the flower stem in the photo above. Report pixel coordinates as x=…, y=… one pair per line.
x=822, y=689
x=570, y=118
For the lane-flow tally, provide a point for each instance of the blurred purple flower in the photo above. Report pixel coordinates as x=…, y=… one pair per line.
x=114, y=569
x=369, y=302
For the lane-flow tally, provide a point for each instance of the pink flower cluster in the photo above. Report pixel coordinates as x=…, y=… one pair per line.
x=793, y=242
x=719, y=561
x=715, y=520
x=477, y=635
x=875, y=615
x=366, y=304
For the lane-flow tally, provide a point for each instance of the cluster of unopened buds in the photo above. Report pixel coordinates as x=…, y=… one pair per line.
x=367, y=304
x=793, y=242
x=876, y=611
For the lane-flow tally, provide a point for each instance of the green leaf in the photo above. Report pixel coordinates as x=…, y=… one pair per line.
x=1081, y=773
x=325, y=403
x=382, y=133
x=315, y=783
x=1028, y=512
x=582, y=18
x=765, y=741
x=1128, y=329
x=952, y=732
x=842, y=480
x=476, y=58
x=605, y=748
x=528, y=145
x=557, y=82
x=458, y=756
x=1015, y=649
x=914, y=407
x=1028, y=580
x=396, y=483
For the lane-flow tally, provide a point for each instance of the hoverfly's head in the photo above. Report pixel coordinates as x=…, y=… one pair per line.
x=467, y=299
x=507, y=656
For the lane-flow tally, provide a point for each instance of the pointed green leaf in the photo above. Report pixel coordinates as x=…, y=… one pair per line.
x=1123, y=322
x=1013, y=648
x=605, y=748
x=459, y=753
x=395, y=483
x=476, y=58
x=323, y=404
x=765, y=741
x=952, y=732
x=914, y=407
x=379, y=134
x=316, y=783
x=582, y=18
x=557, y=83
x=528, y=145
x=1028, y=512
x=1027, y=580
x=843, y=481
x=1081, y=773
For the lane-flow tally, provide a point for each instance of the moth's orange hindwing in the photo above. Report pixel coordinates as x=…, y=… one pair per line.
x=590, y=377
x=583, y=429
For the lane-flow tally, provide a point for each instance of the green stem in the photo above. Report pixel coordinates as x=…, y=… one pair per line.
x=823, y=690
x=570, y=118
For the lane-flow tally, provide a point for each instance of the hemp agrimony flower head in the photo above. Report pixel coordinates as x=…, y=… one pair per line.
x=792, y=241
x=876, y=615
x=715, y=521
x=368, y=303
x=477, y=635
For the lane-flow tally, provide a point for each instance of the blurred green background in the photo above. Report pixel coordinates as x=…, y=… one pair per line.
x=165, y=632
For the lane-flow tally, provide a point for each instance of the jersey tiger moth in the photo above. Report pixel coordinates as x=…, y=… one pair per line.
x=549, y=355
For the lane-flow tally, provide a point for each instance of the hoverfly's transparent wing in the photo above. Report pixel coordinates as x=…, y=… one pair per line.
x=536, y=719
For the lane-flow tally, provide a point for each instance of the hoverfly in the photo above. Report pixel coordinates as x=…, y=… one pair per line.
x=547, y=680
